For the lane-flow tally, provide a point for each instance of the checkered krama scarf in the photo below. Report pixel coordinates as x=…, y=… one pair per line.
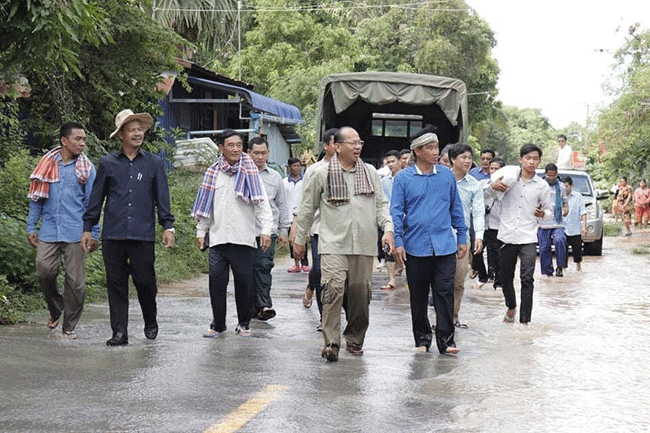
x=47, y=172
x=248, y=185
x=337, y=188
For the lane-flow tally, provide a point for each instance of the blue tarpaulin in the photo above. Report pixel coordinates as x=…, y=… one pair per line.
x=288, y=112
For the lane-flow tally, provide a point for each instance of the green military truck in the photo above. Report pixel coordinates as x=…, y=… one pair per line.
x=385, y=108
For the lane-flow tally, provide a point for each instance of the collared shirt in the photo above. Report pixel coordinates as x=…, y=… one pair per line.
x=132, y=190
x=492, y=207
x=573, y=220
x=233, y=220
x=518, y=221
x=387, y=185
x=63, y=210
x=277, y=196
x=292, y=187
x=307, y=175
x=564, y=157
x=350, y=228
x=478, y=173
x=471, y=196
x=426, y=209
x=550, y=223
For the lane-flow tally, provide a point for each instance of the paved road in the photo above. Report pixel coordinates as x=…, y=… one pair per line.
x=581, y=365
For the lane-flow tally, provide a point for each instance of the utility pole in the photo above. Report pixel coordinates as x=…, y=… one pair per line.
x=239, y=36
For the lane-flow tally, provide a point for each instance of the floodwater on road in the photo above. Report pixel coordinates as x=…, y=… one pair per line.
x=580, y=365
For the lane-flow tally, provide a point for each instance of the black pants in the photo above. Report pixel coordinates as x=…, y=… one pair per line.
x=527, y=254
x=576, y=246
x=124, y=258
x=492, y=245
x=425, y=274
x=241, y=259
x=315, y=274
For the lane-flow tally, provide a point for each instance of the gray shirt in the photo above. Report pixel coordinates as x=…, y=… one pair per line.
x=277, y=196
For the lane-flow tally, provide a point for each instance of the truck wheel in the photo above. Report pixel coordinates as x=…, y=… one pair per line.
x=594, y=248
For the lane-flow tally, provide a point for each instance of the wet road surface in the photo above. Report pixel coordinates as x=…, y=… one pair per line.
x=581, y=364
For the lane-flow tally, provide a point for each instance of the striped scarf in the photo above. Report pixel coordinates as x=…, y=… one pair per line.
x=47, y=172
x=247, y=184
x=337, y=189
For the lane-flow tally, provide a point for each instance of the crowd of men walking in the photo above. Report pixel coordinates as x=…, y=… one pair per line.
x=434, y=212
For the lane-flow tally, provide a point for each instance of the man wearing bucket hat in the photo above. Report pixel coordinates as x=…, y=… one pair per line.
x=133, y=183
x=426, y=208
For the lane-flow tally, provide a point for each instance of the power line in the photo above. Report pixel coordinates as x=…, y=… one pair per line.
x=407, y=6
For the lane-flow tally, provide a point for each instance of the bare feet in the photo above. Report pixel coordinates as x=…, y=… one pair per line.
x=510, y=316
x=452, y=350
x=579, y=267
x=421, y=349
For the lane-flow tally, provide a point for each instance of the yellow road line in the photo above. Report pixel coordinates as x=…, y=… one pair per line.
x=248, y=410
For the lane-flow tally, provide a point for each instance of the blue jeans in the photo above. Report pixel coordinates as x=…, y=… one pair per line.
x=547, y=238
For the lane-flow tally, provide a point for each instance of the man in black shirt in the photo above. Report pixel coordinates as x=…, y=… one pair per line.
x=133, y=182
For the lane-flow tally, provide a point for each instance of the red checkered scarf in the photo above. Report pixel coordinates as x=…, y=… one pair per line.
x=248, y=185
x=47, y=172
x=337, y=189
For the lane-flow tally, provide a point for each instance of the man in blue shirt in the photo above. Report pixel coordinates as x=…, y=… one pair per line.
x=426, y=209
x=59, y=192
x=575, y=222
x=133, y=183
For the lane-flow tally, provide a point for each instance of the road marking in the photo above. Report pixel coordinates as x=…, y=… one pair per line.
x=248, y=410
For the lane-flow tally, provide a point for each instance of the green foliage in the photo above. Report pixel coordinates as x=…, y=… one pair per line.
x=11, y=133
x=611, y=228
x=14, y=185
x=641, y=249
x=17, y=256
x=45, y=35
x=14, y=304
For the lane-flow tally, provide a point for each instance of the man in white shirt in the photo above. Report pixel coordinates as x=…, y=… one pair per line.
x=564, y=153
x=522, y=204
x=258, y=149
x=229, y=201
x=293, y=184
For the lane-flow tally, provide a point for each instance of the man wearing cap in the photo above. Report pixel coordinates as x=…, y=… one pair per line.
x=133, y=183
x=426, y=209
x=352, y=205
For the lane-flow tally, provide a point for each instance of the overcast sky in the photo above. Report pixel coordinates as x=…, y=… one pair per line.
x=556, y=54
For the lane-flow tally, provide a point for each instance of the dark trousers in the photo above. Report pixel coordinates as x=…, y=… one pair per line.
x=262, y=282
x=575, y=242
x=304, y=261
x=492, y=245
x=508, y=255
x=135, y=258
x=436, y=274
x=547, y=238
x=240, y=259
x=315, y=274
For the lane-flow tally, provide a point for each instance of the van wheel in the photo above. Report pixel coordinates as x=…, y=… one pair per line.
x=594, y=248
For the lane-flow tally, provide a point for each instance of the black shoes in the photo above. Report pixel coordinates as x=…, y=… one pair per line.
x=151, y=332
x=559, y=273
x=119, y=339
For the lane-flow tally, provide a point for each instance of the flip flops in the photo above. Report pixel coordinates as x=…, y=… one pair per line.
x=306, y=302
x=388, y=287
x=52, y=323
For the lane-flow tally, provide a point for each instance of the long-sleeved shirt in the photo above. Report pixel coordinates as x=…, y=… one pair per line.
x=275, y=191
x=292, y=187
x=572, y=221
x=62, y=212
x=550, y=223
x=478, y=173
x=387, y=185
x=132, y=189
x=518, y=221
x=426, y=209
x=564, y=157
x=350, y=228
x=471, y=196
x=492, y=207
x=233, y=220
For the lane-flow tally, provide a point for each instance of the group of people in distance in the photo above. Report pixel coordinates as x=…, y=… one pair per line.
x=243, y=208
x=626, y=201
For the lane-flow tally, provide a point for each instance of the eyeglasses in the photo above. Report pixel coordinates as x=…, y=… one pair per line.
x=354, y=143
